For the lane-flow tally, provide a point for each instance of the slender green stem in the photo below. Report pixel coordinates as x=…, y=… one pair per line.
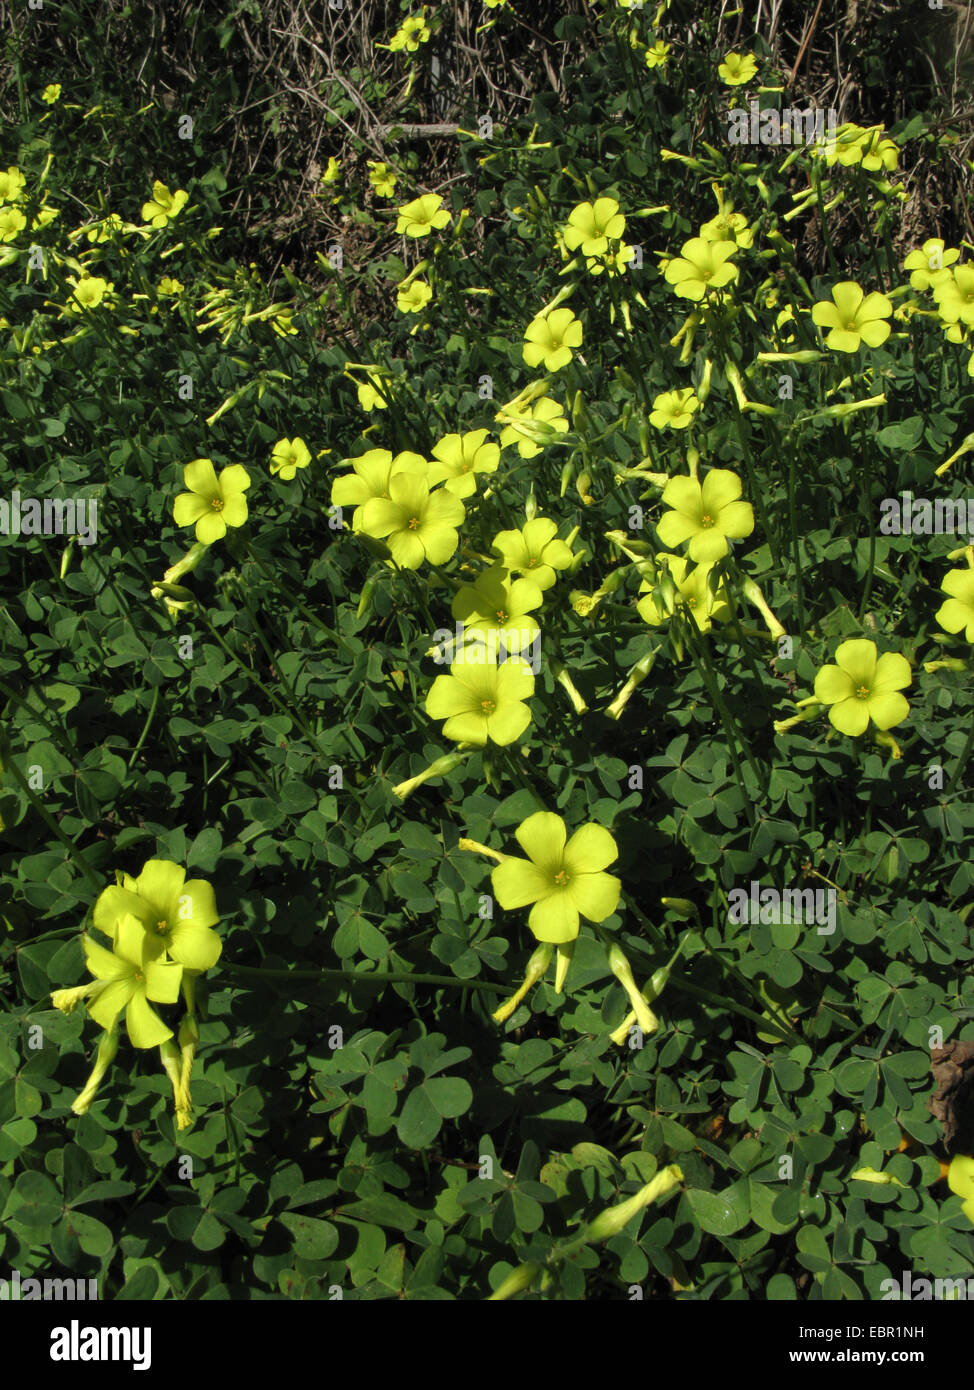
x=146, y=726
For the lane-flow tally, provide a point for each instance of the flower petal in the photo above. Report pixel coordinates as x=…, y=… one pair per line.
x=542, y=837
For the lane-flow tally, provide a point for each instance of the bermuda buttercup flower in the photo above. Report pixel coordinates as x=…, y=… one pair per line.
x=853, y=318
x=133, y=974
x=549, y=338
x=51, y=93
x=957, y=614
x=960, y=1180
x=482, y=700
x=333, y=170
x=371, y=396
x=955, y=296
x=382, y=178
x=564, y=879
x=457, y=458
x=656, y=54
x=591, y=226
x=12, y=223
x=415, y=524
x=860, y=687
x=692, y=592
x=700, y=267
x=370, y=477
x=497, y=610
x=177, y=915
x=213, y=504
x=11, y=184
x=534, y=551
x=163, y=206
x=288, y=456
x=931, y=263
x=524, y=429
x=88, y=292
x=412, y=298
x=422, y=216
x=737, y=69
x=708, y=515
x=674, y=409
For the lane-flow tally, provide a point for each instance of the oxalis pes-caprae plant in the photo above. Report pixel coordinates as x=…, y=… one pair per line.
x=675, y=543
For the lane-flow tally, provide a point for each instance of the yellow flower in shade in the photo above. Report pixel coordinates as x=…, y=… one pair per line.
x=457, y=458
x=169, y=286
x=853, y=318
x=591, y=226
x=524, y=432
x=674, y=409
x=497, y=611
x=103, y=230
x=877, y=153
x=960, y=1180
x=700, y=267
x=382, y=178
x=288, y=456
x=693, y=594
x=955, y=296
x=163, y=206
x=212, y=503
x=534, y=551
x=411, y=298
x=415, y=524
x=176, y=914
x=134, y=974
x=563, y=879
x=860, y=687
x=333, y=170
x=45, y=216
x=12, y=223
x=51, y=93
x=728, y=225
x=369, y=396
x=88, y=292
x=958, y=611
x=707, y=515
x=930, y=263
x=422, y=216
x=549, y=338
x=482, y=700
x=11, y=184
x=411, y=33
x=370, y=477
x=737, y=68
x=657, y=54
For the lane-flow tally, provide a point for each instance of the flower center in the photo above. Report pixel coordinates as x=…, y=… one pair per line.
x=216, y=503
x=162, y=927
x=706, y=520
x=501, y=615
x=488, y=706
x=413, y=523
x=138, y=975
x=851, y=325
x=561, y=879
x=531, y=564
x=862, y=693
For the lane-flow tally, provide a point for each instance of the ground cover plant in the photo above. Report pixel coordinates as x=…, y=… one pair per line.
x=487, y=697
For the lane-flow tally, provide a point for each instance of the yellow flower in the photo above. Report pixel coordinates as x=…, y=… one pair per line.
x=955, y=296
x=693, y=593
x=51, y=93
x=534, y=425
x=700, y=267
x=163, y=206
x=591, y=226
x=415, y=524
x=457, y=458
x=382, y=178
x=656, y=56
x=707, y=515
x=852, y=318
x=88, y=292
x=674, y=408
x=288, y=456
x=930, y=263
x=422, y=216
x=369, y=397
x=11, y=185
x=333, y=171
x=412, y=298
x=370, y=478
x=534, y=551
x=958, y=611
x=213, y=503
x=860, y=687
x=737, y=68
x=12, y=222
x=549, y=338
x=169, y=286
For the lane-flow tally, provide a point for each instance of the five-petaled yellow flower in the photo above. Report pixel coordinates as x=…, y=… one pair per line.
x=591, y=226
x=563, y=879
x=853, y=318
x=549, y=338
x=412, y=298
x=707, y=515
x=163, y=206
x=737, y=68
x=860, y=687
x=674, y=408
x=213, y=503
x=422, y=216
x=415, y=524
x=288, y=456
x=700, y=267
x=481, y=699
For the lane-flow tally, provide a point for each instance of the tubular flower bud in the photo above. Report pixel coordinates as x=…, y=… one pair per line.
x=439, y=768
x=622, y=970
x=365, y=599
x=583, y=485
x=537, y=966
x=516, y=1282
x=638, y=674
x=851, y=406
x=784, y=726
x=566, y=950
x=703, y=390
x=754, y=595
x=475, y=847
x=105, y=1056
x=615, y=1219
x=805, y=356
x=67, y=1000
x=561, y=675
x=189, y=1037
x=566, y=477
x=531, y=506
